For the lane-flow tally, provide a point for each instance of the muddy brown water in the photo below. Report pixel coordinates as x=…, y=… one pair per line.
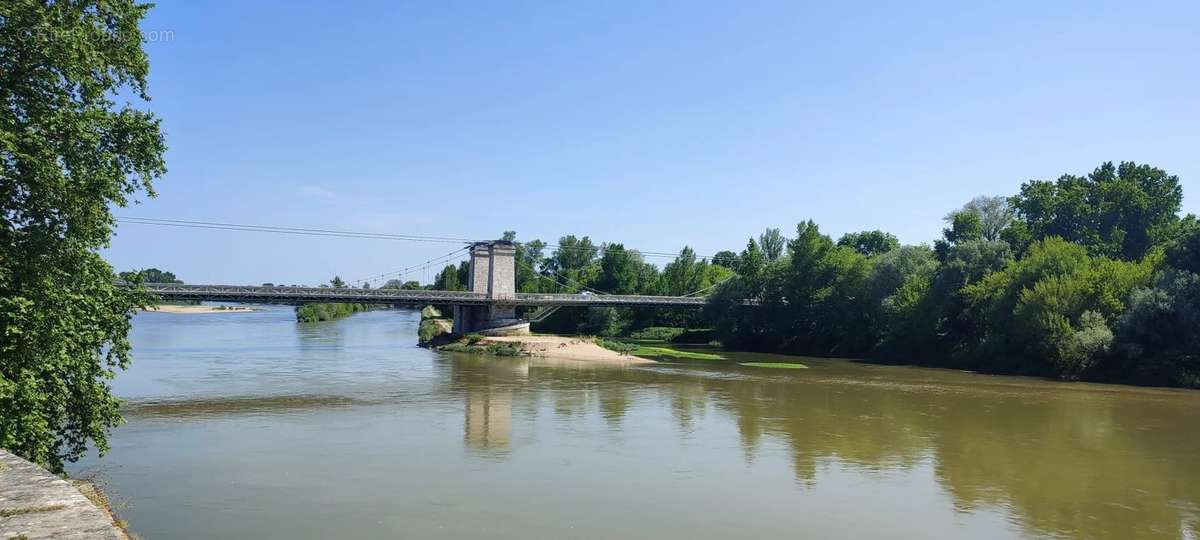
x=248, y=425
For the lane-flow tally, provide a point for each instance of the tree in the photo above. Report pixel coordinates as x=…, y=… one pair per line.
x=449, y=280
x=619, y=270
x=151, y=275
x=1184, y=251
x=530, y=260
x=869, y=243
x=726, y=258
x=1116, y=211
x=68, y=154
x=964, y=227
x=995, y=214
x=337, y=282
x=1035, y=312
x=1155, y=339
x=751, y=261
x=772, y=243
x=573, y=254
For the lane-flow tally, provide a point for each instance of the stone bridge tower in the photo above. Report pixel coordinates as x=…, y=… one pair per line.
x=493, y=272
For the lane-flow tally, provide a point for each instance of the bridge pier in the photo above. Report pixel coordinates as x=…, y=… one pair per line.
x=492, y=272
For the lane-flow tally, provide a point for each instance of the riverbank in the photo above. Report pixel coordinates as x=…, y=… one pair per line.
x=176, y=308
x=35, y=504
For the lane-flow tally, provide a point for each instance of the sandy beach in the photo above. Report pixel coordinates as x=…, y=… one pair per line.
x=175, y=308
x=569, y=348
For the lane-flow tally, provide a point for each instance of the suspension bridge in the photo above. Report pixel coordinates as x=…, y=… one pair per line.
x=488, y=305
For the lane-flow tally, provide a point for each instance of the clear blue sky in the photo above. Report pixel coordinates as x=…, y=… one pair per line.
x=652, y=124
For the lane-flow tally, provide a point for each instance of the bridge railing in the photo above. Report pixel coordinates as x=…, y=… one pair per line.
x=295, y=295
x=249, y=293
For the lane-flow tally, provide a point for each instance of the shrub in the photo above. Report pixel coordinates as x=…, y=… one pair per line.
x=695, y=337
x=618, y=346
x=657, y=333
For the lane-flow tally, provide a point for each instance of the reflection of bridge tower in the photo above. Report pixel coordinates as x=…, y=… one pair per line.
x=489, y=420
x=489, y=388
x=494, y=273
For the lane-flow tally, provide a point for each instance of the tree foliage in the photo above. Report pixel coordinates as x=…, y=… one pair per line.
x=1083, y=278
x=1115, y=211
x=150, y=275
x=869, y=242
x=68, y=154
x=772, y=243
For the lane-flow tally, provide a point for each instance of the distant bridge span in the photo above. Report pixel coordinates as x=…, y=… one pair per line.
x=305, y=295
x=489, y=304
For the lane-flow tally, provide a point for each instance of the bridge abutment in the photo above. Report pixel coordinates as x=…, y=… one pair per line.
x=493, y=272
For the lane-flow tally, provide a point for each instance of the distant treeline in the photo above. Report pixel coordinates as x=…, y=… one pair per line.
x=1084, y=277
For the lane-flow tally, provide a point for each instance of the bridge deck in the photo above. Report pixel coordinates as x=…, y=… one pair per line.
x=303, y=295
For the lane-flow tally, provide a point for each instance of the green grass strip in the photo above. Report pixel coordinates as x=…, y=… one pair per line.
x=774, y=365
x=663, y=352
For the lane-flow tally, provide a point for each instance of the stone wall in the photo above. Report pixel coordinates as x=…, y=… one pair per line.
x=35, y=504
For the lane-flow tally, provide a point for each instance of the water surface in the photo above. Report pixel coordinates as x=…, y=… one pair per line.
x=248, y=425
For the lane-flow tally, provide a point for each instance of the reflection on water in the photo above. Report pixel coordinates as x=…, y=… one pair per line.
x=248, y=425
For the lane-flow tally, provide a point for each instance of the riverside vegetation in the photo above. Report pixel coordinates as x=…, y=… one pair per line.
x=1083, y=277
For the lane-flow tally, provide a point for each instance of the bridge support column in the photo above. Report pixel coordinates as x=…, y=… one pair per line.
x=493, y=272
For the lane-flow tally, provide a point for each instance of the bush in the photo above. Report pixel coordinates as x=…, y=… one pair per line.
x=504, y=349
x=657, y=333
x=618, y=346
x=495, y=349
x=695, y=337
x=474, y=338
x=1156, y=339
x=327, y=312
x=430, y=329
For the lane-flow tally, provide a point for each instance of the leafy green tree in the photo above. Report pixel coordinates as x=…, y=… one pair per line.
x=964, y=227
x=337, y=282
x=772, y=243
x=995, y=215
x=530, y=260
x=573, y=254
x=649, y=280
x=752, y=261
x=1116, y=211
x=1184, y=251
x=151, y=275
x=869, y=243
x=1156, y=341
x=68, y=154
x=449, y=279
x=1034, y=311
x=410, y=285
x=619, y=269
x=726, y=258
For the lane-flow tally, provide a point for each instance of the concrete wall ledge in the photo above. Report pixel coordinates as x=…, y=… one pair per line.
x=35, y=504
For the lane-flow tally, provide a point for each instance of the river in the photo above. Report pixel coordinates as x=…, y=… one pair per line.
x=249, y=425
